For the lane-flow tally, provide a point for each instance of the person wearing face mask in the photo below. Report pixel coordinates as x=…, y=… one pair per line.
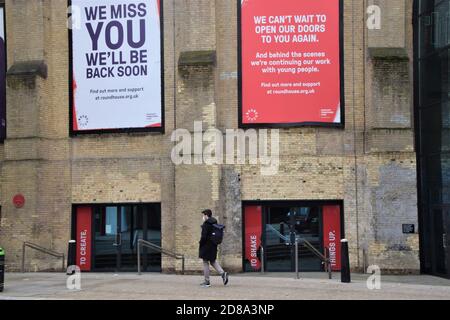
x=208, y=249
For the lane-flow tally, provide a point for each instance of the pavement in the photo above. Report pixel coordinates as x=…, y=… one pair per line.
x=270, y=286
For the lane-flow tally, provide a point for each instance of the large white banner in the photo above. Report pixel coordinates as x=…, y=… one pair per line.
x=116, y=64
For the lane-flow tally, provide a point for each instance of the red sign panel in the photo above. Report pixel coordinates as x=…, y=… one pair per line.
x=84, y=238
x=253, y=232
x=19, y=201
x=332, y=234
x=290, y=62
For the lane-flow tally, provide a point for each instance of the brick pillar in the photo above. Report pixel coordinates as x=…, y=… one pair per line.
x=197, y=185
x=390, y=186
x=36, y=162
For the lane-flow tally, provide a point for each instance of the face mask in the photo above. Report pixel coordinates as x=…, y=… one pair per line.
x=205, y=218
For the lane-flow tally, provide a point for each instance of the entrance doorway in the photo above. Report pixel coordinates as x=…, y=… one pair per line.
x=441, y=245
x=107, y=236
x=283, y=226
x=275, y=226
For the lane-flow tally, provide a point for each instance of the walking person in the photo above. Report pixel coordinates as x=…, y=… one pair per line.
x=212, y=234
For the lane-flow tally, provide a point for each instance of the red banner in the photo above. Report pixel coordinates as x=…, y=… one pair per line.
x=84, y=238
x=332, y=234
x=253, y=232
x=290, y=62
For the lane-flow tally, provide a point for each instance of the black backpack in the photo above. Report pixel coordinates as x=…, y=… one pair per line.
x=217, y=232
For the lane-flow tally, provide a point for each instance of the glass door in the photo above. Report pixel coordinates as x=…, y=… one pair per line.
x=140, y=222
x=128, y=242
x=148, y=226
x=277, y=248
x=283, y=226
x=441, y=248
x=106, y=238
x=306, y=226
x=116, y=233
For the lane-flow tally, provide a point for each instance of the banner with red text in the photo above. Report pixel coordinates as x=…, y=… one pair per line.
x=84, y=238
x=332, y=234
x=253, y=233
x=290, y=62
x=116, y=65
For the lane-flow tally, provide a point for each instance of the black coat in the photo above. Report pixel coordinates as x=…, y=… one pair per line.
x=208, y=249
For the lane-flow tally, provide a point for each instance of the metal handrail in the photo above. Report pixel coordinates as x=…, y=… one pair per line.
x=328, y=263
x=262, y=259
x=142, y=242
x=310, y=246
x=325, y=259
x=43, y=250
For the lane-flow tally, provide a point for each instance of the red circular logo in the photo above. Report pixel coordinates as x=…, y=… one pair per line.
x=19, y=200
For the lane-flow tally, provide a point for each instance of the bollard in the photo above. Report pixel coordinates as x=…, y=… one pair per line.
x=2, y=269
x=345, y=262
x=71, y=257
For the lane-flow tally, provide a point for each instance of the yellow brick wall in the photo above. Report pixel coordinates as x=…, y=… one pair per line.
x=54, y=171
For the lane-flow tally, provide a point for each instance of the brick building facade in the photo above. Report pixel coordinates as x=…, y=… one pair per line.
x=369, y=167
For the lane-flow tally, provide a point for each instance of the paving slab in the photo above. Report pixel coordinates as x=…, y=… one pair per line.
x=156, y=286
